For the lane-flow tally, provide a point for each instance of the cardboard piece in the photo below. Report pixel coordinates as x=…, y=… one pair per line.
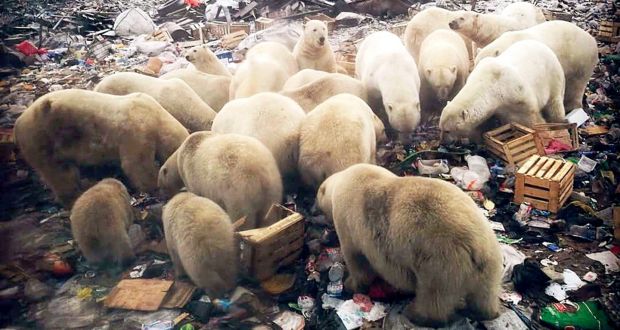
x=179, y=294
x=138, y=294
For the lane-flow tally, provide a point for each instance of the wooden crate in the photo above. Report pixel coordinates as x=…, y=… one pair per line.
x=513, y=143
x=264, y=23
x=566, y=133
x=609, y=31
x=399, y=29
x=264, y=250
x=347, y=62
x=331, y=23
x=544, y=182
x=555, y=14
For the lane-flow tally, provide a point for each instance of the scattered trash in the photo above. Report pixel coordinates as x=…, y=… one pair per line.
x=608, y=259
x=583, y=315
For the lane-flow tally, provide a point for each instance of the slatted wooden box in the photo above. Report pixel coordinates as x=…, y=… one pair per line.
x=544, y=182
x=609, y=31
x=565, y=133
x=264, y=250
x=513, y=143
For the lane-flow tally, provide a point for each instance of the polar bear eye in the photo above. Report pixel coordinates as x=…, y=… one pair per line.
x=314, y=30
x=463, y=115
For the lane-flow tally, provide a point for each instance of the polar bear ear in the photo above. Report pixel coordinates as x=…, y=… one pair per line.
x=428, y=71
x=453, y=69
x=464, y=114
x=497, y=52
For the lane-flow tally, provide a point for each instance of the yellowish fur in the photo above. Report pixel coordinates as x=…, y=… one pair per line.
x=206, y=61
x=201, y=242
x=66, y=129
x=421, y=235
x=100, y=219
x=174, y=95
x=340, y=132
x=237, y=172
x=313, y=50
x=212, y=89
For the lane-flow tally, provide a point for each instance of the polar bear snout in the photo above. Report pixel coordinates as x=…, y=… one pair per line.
x=321, y=41
x=454, y=25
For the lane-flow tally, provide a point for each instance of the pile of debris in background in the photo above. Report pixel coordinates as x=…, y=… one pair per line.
x=561, y=265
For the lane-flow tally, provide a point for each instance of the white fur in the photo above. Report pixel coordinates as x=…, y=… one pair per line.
x=526, y=14
x=313, y=50
x=391, y=78
x=525, y=85
x=212, y=89
x=575, y=48
x=203, y=59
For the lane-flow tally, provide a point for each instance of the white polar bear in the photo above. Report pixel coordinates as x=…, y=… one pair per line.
x=575, y=48
x=340, y=132
x=526, y=14
x=521, y=85
x=392, y=82
x=484, y=28
x=267, y=67
x=204, y=60
x=303, y=77
x=424, y=23
x=271, y=118
x=174, y=95
x=313, y=50
x=325, y=85
x=444, y=67
x=212, y=89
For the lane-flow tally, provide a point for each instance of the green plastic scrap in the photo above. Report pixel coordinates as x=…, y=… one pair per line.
x=505, y=239
x=584, y=315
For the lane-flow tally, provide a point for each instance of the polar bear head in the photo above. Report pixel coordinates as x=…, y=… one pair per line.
x=315, y=33
x=200, y=55
x=169, y=180
x=465, y=21
x=441, y=80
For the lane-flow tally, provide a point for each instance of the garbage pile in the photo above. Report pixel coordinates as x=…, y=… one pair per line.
x=561, y=262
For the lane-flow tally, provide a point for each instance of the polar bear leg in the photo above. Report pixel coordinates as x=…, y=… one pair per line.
x=138, y=163
x=436, y=301
x=483, y=303
x=574, y=94
x=361, y=273
x=554, y=111
x=123, y=251
x=63, y=179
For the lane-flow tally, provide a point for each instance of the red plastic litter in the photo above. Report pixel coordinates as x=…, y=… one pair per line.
x=363, y=301
x=27, y=48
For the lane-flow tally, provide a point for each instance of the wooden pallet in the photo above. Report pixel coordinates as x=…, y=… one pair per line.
x=513, y=143
x=264, y=250
x=554, y=14
x=544, y=182
x=264, y=23
x=566, y=133
x=609, y=31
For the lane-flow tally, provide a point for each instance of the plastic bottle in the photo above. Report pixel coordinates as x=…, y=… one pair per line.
x=474, y=176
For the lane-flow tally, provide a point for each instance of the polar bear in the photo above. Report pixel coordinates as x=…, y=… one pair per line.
x=575, y=48
x=421, y=235
x=212, y=89
x=340, y=132
x=303, y=77
x=524, y=13
x=235, y=171
x=392, y=82
x=525, y=84
x=100, y=219
x=444, y=67
x=201, y=242
x=484, y=28
x=313, y=93
x=267, y=67
x=313, y=50
x=204, y=60
x=271, y=118
x=174, y=95
x=424, y=23
x=66, y=129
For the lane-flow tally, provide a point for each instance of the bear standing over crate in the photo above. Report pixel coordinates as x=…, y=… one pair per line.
x=524, y=85
x=418, y=234
x=235, y=171
x=201, y=243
